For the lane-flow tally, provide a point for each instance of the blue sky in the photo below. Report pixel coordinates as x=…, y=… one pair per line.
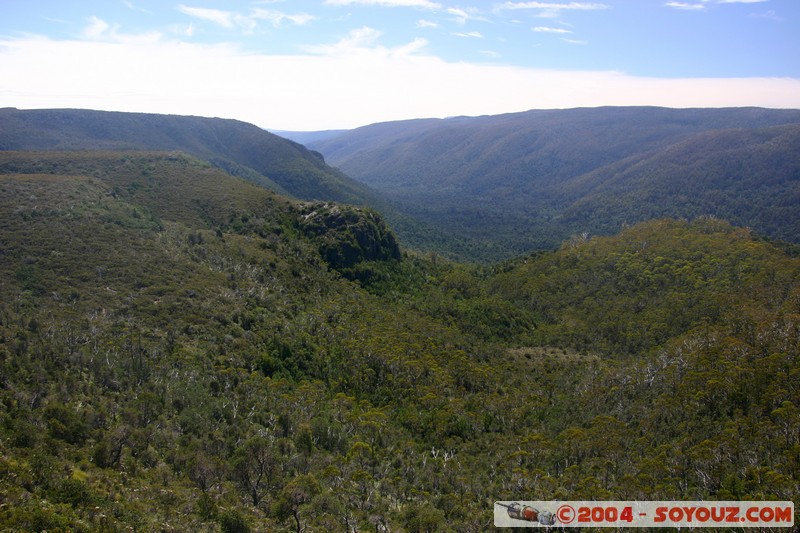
x=307, y=65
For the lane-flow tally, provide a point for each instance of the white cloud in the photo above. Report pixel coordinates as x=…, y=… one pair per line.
x=422, y=23
x=133, y=7
x=700, y=7
x=547, y=29
x=552, y=9
x=411, y=48
x=361, y=42
x=554, y=5
x=474, y=34
x=100, y=30
x=217, y=16
x=358, y=39
x=96, y=29
x=246, y=22
x=277, y=18
x=425, y=4
x=347, y=84
x=769, y=15
x=182, y=30
x=685, y=6
x=463, y=15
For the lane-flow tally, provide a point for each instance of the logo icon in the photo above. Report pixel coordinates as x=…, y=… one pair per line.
x=529, y=514
x=565, y=514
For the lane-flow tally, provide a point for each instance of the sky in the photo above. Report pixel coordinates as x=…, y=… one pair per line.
x=337, y=64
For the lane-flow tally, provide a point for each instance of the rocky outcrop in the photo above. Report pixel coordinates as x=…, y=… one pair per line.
x=348, y=235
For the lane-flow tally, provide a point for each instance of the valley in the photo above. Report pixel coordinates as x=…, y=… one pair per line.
x=510, y=184
x=205, y=327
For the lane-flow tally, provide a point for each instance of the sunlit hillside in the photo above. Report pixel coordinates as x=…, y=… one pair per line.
x=181, y=349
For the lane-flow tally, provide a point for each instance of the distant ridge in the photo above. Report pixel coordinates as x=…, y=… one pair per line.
x=521, y=181
x=237, y=147
x=306, y=137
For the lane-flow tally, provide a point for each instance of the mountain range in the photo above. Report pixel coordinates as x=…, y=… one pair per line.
x=522, y=181
x=184, y=349
x=237, y=147
x=491, y=187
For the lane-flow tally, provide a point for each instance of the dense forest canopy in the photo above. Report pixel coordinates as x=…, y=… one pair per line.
x=182, y=349
x=508, y=184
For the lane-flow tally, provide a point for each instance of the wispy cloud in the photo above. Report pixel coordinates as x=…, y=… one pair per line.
x=548, y=29
x=553, y=9
x=425, y=4
x=96, y=29
x=100, y=30
x=685, y=6
x=360, y=38
x=473, y=34
x=554, y=5
x=770, y=15
x=133, y=7
x=181, y=30
x=246, y=22
x=422, y=23
x=700, y=7
x=276, y=18
x=574, y=41
x=217, y=16
x=463, y=15
x=362, y=41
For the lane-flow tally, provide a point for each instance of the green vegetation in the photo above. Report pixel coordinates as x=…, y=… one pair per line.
x=182, y=350
x=499, y=186
x=242, y=149
x=347, y=235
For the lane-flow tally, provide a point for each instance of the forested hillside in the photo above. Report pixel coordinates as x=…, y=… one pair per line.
x=523, y=181
x=181, y=350
x=237, y=147
x=750, y=176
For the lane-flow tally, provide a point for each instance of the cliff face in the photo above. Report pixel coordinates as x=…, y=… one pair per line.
x=348, y=235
